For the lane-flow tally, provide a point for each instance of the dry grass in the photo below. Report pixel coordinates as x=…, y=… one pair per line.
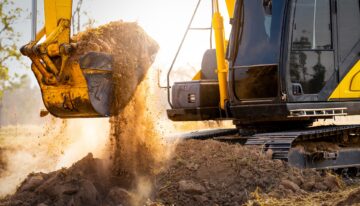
x=314, y=199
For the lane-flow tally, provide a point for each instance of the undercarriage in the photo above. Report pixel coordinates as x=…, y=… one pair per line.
x=323, y=147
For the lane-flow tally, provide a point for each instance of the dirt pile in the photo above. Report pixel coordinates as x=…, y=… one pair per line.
x=88, y=182
x=201, y=172
x=82, y=184
x=209, y=172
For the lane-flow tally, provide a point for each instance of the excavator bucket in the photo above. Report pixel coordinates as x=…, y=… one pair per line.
x=97, y=70
x=71, y=86
x=84, y=89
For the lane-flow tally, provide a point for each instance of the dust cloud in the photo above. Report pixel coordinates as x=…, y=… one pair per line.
x=138, y=152
x=27, y=149
x=85, y=135
x=43, y=148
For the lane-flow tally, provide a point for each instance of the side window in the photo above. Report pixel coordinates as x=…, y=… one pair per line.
x=312, y=25
x=349, y=26
x=312, y=55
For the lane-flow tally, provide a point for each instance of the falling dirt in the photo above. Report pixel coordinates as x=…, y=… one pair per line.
x=135, y=148
x=137, y=152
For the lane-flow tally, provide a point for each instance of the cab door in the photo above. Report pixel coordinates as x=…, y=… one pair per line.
x=311, y=64
x=348, y=38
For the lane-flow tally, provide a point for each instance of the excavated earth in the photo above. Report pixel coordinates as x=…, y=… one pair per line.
x=200, y=172
x=211, y=172
x=139, y=170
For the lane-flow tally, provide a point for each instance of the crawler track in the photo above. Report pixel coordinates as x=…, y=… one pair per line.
x=281, y=144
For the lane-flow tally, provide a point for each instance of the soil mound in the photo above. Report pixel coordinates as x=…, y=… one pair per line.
x=201, y=172
x=209, y=172
x=87, y=182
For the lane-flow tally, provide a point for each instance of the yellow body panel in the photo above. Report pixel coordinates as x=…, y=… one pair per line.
x=349, y=87
x=197, y=76
x=230, y=5
x=55, y=10
x=355, y=83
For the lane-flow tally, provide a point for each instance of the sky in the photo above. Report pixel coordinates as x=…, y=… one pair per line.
x=164, y=20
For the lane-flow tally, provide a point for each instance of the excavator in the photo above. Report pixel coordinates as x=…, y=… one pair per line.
x=285, y=65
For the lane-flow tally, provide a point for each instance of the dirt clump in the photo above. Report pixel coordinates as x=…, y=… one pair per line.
x=211, y=172
x=87, y=182
x=132, y=51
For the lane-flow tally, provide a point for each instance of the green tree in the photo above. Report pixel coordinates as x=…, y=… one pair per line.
x=9, y=14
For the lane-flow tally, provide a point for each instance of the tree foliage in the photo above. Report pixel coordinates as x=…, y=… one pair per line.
x=9, y=14
x=21, y=105
x=79, y=14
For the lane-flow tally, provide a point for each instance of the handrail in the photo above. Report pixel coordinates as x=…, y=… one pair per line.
x=178, y=51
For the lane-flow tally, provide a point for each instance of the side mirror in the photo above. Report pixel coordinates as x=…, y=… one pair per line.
x=267, y=4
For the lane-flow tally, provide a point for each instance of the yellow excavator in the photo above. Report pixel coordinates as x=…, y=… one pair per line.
x=286, y=64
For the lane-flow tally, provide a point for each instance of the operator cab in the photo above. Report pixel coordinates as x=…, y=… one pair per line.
x=288, y=60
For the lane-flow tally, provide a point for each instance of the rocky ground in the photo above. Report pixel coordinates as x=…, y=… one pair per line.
x=200, y=172
x=215, y=173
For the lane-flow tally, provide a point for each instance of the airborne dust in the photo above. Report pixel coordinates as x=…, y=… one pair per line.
x=137, y=167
